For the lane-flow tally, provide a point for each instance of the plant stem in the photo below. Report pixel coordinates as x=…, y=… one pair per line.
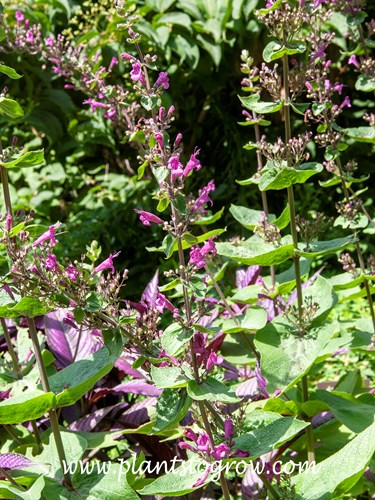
x=13, y=356
x=16, y=365
x=296, y=259
x=13, y=435
x=11, y=480
x=52, y=413
x=358, y=248
x=308, y=430
x=201, y=406
x=263, y=193
x=7, y=200
x=269, y=486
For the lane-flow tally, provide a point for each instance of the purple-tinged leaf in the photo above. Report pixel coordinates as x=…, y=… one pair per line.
x=136, y=387
x=89, y=422
x=248, y=388
x=216, y=342
x=125, y=366
x=5, y=394
x=151, y=292
x=14, y=461
x=62, y=339
x=322, y=418
x=262, y=383
x=137, y=414
x=249, y=276
x=137, y=306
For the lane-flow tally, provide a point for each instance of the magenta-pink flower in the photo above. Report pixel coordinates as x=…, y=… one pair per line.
x=203, y=443
x=159, y=139
x=213, y=359
x=190, y=434
x=163, y=80
x=228, y=428
x=197, y=258
x=72, y=273
x=221, y=451
x=114, y=62
x=147, y=217
x=51, y=262
x=136, y=73
x=95, y=104
x=175, y=166
x=203, y=196
x=192, y=164
x=106, y=264
x=353, y=60
x=209, y=247
x=50, y=41
x=30, y=37
x=202, y=480
x=345, y=102
x=183, y=445
x=19, y=16
x=47, y=236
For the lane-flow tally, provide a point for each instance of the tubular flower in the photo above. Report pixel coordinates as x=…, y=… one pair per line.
x=203, y=196
x=47, y=236
x=106, y=264
x=147, y=217
x=192, y=164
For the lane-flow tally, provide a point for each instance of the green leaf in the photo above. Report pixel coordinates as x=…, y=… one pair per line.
x=179, y=482
x=321, y=248
x=285, y=356
x=365, y=83
x=353, y=414
x=254, y=319
x=171, y=407
x=274, y=6
x=75, y=380
x=28, y=306
x=345, y=281
x=265, y=431
x=163, y=203
x=171, y=246
x=167, y=245
x=23, y=160
x=10, y=108
x=94, y=302
x=174, y=338
x=74, y=447
x=340, y=471
x=35, y=490
x=150, y=102
x=275, y=50
x=300, y=107
x=209, y=218
x=141, y=170
x=248, y=294
x=361, y=134
x=26, y=406
x=12, y=73
x=359, y=222
x=250, y=218
x=211, y=390
x=283, y=177
x=179, y=18
x=236, y=349
x=168, y=377
x=253, y=104
x=102, y=486
x=255, y=251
